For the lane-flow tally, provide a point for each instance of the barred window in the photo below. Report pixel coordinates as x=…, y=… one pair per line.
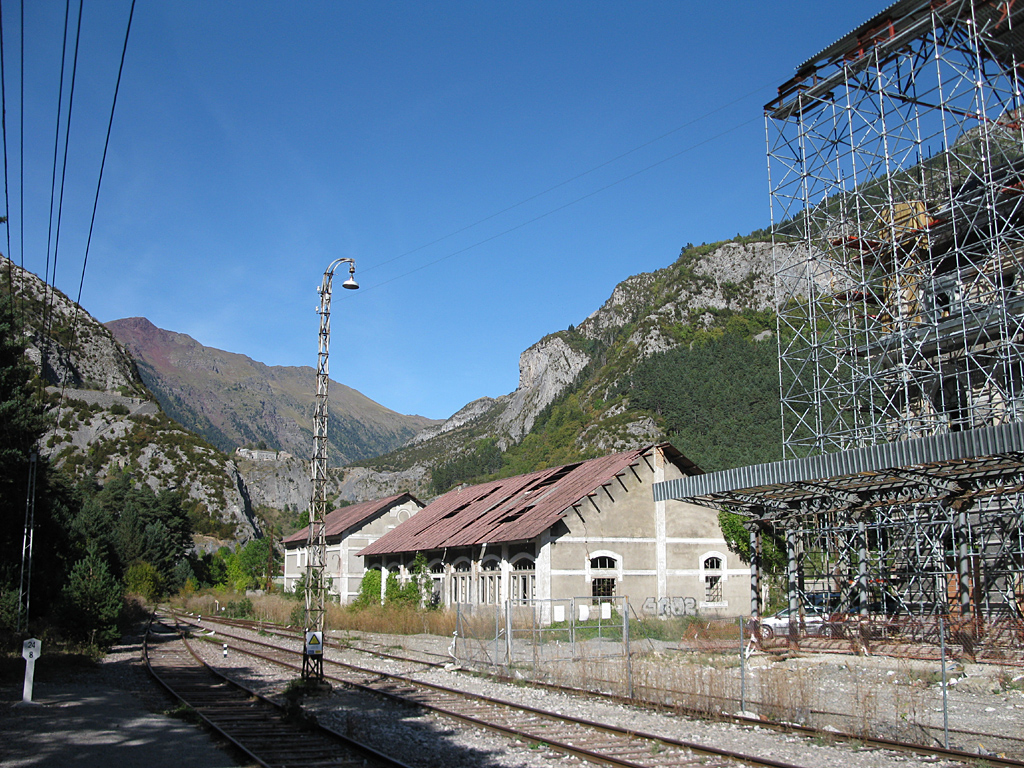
x=603, y=587
x=713, y=580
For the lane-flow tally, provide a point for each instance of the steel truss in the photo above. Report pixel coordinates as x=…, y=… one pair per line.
x=896, y=165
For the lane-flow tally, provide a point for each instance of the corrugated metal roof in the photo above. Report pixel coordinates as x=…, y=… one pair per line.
x=893, y=29
x=910, y=470
x=513, y=508
x=340, y=520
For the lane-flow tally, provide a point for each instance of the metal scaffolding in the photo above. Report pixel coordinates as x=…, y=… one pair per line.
x=896, y=166
x=896, y=160
x=896, y=170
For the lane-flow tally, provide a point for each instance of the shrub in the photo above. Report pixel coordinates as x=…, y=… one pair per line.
x=241, y=609
x=144, y=579
x=369, y=590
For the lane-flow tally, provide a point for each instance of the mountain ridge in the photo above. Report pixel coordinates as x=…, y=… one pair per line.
x=234, y=401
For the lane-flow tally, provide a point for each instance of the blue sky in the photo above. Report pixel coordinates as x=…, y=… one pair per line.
x=495, y=169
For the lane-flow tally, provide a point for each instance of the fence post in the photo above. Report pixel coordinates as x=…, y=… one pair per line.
x=629, y=656
x=497, y=630
x=533, y=633
x=945, y=709
x=572, y=626
x=508, y=632
x=743, y=672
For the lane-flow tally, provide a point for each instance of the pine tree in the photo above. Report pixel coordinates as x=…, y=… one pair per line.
x=92, y=600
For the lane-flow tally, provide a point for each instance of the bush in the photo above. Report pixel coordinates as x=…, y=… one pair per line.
x=241, y=609
x=369, y=590
x=144, y=579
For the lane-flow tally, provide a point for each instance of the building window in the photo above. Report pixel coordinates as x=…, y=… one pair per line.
x=460, y=583
x=523, y=580
x=436, y=583
x=489, y=589
x=713, y=580
x=602, y=584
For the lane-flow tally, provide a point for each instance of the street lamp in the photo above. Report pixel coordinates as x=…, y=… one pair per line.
x=316, y=541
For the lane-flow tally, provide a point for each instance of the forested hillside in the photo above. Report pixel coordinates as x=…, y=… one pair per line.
x=687, y=353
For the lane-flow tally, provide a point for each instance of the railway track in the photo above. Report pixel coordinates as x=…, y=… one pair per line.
x=429, y=659
x=594, y=742
x=265, y=731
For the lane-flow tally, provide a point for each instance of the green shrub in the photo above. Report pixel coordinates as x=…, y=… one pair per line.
x=144, y=579
x=92, y=601
x=240, y=609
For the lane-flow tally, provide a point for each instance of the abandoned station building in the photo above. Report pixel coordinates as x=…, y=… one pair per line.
x=590, y=529
x=347, y=530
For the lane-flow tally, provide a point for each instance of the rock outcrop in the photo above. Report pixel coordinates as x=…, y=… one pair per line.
x=106, y=420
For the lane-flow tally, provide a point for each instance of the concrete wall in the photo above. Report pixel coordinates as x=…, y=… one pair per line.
x=344, y=569
x=660, y=550
x=660, y=554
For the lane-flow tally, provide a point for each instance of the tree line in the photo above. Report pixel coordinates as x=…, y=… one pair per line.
x=92, y=543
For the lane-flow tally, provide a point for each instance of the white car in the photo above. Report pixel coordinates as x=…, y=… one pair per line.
x=778, y=624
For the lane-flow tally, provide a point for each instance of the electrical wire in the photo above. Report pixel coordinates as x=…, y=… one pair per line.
x=96, y=199
x=562, y=207
x=3, y=127
x=561, y=184
x=56, y=138
x=63, y=173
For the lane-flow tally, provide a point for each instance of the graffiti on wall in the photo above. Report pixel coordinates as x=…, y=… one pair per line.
x=670, y=606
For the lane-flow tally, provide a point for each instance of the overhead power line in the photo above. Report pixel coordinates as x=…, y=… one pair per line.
x=561, y=184
x=562, y=207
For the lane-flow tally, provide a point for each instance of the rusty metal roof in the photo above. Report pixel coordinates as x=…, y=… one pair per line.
x=341, y=520
x=513, y=508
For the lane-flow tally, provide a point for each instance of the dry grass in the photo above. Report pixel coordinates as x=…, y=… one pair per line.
x=278, y=609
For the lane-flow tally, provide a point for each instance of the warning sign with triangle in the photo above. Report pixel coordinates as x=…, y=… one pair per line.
x=314, y=643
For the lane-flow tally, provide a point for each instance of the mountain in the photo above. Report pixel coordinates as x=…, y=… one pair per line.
x=105, y=421
x=234, y=401
x=705, y=324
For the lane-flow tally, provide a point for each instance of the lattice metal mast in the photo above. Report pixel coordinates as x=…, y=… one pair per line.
x=316, y=542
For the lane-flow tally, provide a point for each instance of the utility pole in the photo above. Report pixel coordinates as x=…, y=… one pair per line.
x=316, y=543
x=25, y=590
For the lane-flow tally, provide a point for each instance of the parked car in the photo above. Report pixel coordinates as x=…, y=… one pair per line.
x=814, y=623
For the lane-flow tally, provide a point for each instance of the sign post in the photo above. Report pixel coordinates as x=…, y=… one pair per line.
x=313, y=656
x=30, y=651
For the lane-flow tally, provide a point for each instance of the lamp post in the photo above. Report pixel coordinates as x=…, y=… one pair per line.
x=316, y=542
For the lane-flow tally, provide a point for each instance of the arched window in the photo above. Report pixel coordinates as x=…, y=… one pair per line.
x=461, y=582
x=489, y=586
x=713, y=579
x=436, y=582
x=602, y=583
x=523, y=580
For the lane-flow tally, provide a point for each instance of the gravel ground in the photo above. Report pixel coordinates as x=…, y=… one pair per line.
x=427, y=740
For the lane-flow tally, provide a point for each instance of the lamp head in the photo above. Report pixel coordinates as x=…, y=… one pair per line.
x=351, y=282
